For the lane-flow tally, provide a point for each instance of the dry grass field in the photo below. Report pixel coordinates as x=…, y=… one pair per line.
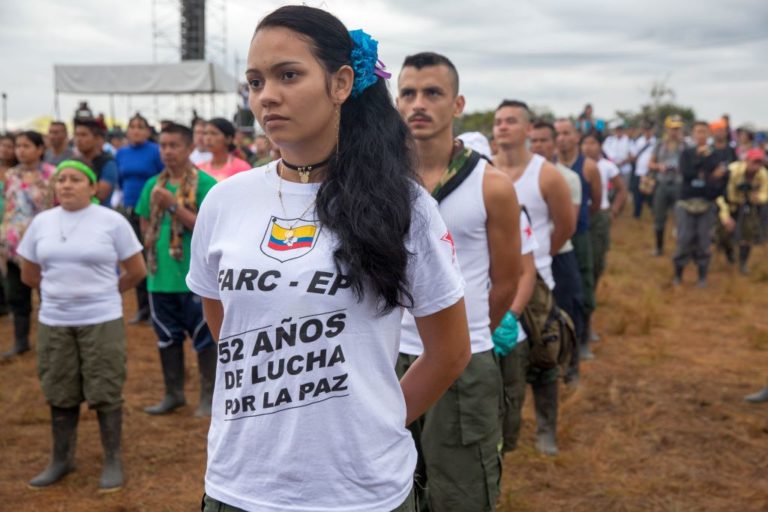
x=658, y=422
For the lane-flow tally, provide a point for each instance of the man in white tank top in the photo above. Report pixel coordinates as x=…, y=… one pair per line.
x=545, y=195
x=459, y=436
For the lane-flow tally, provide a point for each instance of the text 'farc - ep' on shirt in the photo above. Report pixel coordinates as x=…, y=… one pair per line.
x=306, y=375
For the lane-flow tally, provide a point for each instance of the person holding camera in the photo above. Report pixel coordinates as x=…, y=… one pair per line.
x=664, y=166
x=703, y=180
x=743, y=205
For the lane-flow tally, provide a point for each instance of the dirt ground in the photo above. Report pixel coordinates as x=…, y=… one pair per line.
x=657, y=423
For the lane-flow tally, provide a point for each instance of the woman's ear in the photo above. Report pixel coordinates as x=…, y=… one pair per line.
x=341, y=84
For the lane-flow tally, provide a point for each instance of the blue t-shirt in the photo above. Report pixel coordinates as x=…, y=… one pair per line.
x=136, y=165
x=109, y=174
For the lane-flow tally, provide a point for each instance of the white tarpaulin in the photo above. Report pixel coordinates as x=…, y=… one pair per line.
x=195, y=76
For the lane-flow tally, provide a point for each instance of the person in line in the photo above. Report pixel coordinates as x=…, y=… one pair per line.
x=567, y=292
x=600, y=222
x=59, y=148
x=665, y=171
x=7, y=162
x=746, y=141
x=137, y=162
x=745, y=204
x=618, y=148
x=479, y=206
x=219, y=140
x=27, y=193
x=89, y=141
x=569, y=154
x=168, y=209
x=201, y=153
x=513, y=361
x=261, y=151
x=70, y=252
x=303, y=285
x=702, y=174
x=544, y=194
x=640, y=154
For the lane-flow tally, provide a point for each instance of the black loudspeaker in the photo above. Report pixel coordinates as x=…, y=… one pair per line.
x=192, y=29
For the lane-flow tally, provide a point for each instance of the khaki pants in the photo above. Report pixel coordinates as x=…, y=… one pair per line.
x=77, y=363
x=459, y=438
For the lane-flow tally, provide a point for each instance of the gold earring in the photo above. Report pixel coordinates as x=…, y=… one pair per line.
x=338, y=129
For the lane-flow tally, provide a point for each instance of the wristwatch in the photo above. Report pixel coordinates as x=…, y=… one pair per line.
x=172, y=209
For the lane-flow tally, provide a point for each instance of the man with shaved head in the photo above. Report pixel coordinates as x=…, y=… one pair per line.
x=459, y=435
x=542, y=190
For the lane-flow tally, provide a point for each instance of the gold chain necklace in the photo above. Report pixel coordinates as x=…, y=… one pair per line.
x=290, y=233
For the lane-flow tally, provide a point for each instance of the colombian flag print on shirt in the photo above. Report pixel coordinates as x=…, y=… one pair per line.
x=287, y=239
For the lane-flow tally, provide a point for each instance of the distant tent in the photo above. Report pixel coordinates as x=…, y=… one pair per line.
x=188, y=77
x=195, y=77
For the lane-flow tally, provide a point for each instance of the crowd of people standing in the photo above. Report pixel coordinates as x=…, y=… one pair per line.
x=291, y=279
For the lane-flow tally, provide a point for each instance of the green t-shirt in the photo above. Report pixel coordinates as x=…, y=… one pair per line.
x=171, y=273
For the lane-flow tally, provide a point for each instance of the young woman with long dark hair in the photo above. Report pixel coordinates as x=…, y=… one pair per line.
x=304, y=265
x=27, y=193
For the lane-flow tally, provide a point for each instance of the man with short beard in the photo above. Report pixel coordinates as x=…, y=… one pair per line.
x=459, y=435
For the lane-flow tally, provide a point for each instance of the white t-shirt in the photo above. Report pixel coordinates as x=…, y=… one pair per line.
x=643, y=150
x=608, y=171
x=78, y=253
x=308, y=413
x=198, y=157
x=528, y=245
x=618, y=150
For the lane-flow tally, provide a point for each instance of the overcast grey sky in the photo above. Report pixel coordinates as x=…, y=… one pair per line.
x=554, y=53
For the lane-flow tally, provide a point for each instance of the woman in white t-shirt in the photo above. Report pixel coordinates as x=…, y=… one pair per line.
x=304, y=266
x=70, y=252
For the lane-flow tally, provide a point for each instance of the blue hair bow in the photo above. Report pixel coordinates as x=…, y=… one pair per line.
x=365, y=62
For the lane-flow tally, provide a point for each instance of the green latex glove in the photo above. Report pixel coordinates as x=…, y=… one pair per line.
x=505, y=335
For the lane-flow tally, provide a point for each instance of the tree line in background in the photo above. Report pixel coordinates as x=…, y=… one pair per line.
x=661, y=103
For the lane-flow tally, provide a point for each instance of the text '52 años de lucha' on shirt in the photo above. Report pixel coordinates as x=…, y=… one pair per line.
x=306, y=376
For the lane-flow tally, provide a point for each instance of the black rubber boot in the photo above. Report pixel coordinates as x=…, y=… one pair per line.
x=702, y=277
x=758, y=398
x=744, y=251
x=64, y=429
x=20, y=337
x=172, y=361
x=678, y=279
x=110, y=428
x=659, y=243
x=585, y=353
x=545, y=403
x=206, y=364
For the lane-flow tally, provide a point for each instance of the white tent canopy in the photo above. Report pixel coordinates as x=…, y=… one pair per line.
x=188, y=77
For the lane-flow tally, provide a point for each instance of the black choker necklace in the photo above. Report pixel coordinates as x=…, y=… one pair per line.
x=305, y=170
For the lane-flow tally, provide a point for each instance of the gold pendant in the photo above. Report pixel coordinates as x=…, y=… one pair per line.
x=289, y=233
x=304, y=176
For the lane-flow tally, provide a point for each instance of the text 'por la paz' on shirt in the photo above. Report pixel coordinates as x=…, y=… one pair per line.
x=306, y=378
